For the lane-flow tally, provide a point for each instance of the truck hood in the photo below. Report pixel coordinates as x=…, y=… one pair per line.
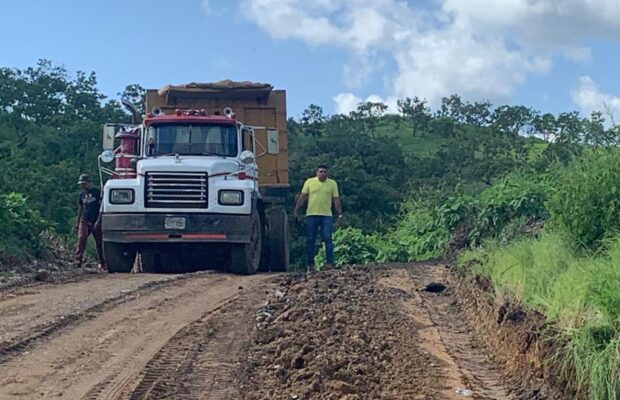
x=211, y=165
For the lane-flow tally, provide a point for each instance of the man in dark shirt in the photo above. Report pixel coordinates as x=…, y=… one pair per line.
x=89, y=204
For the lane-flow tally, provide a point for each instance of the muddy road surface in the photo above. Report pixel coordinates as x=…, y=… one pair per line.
x=355, y=333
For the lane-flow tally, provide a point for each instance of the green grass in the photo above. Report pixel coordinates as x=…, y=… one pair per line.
x=537, y=149
x=579, y=294
x=412, y=146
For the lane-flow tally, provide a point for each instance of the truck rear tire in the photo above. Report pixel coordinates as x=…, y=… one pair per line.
x=278, y=240
x=151, y=262
x=119, y=257
x=166, y=262
x=245, y=257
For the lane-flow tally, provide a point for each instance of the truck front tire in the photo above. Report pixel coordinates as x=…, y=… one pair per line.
x=245, y=257
x=119, y=257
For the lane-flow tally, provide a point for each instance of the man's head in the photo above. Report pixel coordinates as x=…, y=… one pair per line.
x=321, y=172
x=84, y=181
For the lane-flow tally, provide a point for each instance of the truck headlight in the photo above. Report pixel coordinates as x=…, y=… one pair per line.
x=231, y=197
x=121, y=196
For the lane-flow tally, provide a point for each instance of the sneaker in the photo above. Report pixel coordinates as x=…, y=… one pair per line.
x=102, y=268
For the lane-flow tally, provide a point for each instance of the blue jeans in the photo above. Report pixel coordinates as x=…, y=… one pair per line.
x=313, y=222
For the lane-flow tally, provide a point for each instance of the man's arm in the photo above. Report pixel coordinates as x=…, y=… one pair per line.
x=98, y=221
x=336, y=200
x=301, y=200
x=338, y=205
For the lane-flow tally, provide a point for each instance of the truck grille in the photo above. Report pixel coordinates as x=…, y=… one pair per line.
x=176, y=190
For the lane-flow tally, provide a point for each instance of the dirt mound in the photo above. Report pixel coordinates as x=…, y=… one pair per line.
x=339, y=335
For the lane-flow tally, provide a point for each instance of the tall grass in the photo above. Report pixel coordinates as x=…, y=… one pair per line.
x=579, y=294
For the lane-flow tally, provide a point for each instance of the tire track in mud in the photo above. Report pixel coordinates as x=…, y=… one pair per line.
x=172, y=357
x=12, y=348
x=111, y=354
x=449, y=337
x=204, y=359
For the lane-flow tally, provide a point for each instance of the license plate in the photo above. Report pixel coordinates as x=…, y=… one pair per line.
x=174, y=223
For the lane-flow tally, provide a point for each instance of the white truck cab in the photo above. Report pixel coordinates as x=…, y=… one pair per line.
x=184, y=193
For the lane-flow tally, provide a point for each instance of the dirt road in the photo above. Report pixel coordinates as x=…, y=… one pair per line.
x=358, y=333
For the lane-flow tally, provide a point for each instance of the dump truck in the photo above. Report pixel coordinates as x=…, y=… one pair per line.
x=199, y=183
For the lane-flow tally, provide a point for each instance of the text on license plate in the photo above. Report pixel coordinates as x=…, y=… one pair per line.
x=174, y=223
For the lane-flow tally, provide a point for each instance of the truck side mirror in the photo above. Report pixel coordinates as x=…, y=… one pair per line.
x=247, y=157
x=109, y=131
x=107, y=156
x=247, y=138
x=273, y=141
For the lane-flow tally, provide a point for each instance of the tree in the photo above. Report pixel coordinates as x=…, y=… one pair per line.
x=136, y=95
x=50, y=131
x=312, y=120
x=545, y=126
x=417, y=111
x=512, y=119
x=477, y=113
x=367, y=115
x=453, y=108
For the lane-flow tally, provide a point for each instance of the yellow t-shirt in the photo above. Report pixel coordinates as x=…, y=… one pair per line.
x=320, y=196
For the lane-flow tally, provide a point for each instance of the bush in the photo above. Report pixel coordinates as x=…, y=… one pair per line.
x=585, y=202
x=421, y=230
x=20, y=227
x=515, y=197
x=351, y=246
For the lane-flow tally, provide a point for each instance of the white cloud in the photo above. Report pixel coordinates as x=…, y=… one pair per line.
x=578, y=53
x=210, y=8
x=589, y=98
x=344, y=103
x=480, y=49
x=289, y=19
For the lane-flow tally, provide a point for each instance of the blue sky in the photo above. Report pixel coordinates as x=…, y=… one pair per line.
x=334, y=52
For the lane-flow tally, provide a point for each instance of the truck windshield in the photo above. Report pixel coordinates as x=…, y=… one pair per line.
x=218, y=140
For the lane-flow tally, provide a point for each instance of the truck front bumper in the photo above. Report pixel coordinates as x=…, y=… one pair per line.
x=151, y=228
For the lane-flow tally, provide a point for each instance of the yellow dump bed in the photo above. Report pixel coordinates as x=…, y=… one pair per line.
x=255, y=104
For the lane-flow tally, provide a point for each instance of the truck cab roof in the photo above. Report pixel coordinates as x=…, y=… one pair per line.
x=189, y=119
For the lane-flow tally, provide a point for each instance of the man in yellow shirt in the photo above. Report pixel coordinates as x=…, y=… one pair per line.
x=320, y=192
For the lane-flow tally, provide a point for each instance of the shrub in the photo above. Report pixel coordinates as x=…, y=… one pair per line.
x=515, y=197
x=20, y=227
x=351, y=246
x=585, y=202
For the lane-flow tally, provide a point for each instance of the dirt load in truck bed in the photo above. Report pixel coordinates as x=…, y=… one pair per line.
x=216, y=86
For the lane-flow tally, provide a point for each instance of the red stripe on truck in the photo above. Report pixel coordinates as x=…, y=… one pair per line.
x=182, y=236
x=203, y=236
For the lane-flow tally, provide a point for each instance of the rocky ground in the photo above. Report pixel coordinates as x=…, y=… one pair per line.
x=369, y=333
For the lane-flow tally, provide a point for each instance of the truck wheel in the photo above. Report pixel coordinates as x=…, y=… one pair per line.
x=151, y=262
x=245, y=257
x=172, y=263
x=119, y=257
x=278, y=240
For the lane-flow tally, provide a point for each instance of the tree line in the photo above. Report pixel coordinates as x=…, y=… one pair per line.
x=50, y=124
